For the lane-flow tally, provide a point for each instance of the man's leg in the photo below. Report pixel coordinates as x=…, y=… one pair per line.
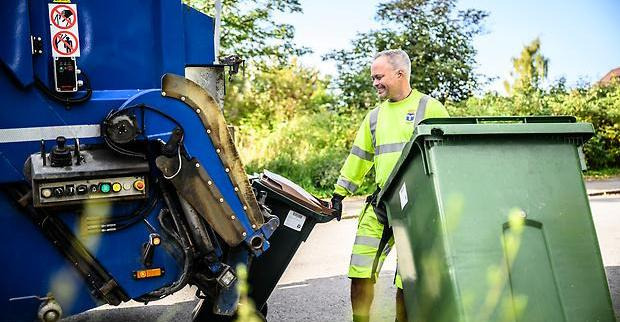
x=363, y=256
x=362, y=292
x=401, y=312
x=401, y=309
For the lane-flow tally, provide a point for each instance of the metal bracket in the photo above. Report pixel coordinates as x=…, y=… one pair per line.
x=233, y=62
x=36, y=44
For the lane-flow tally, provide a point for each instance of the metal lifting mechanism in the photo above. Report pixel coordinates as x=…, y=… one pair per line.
x=129, y=187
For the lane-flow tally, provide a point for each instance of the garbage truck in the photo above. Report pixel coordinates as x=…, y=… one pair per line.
x=120, y=179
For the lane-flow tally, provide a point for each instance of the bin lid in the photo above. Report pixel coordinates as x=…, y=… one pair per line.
x=295, y=193
x=532, y=126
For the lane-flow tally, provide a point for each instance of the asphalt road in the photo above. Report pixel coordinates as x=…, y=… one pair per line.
x=315, y=288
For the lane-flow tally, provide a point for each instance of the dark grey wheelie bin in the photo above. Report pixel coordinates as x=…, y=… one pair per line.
x=298, y=212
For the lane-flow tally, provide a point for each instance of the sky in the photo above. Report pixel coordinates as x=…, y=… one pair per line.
x=580, y=38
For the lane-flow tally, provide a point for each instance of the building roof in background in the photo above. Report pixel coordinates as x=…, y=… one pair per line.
x=614, y=73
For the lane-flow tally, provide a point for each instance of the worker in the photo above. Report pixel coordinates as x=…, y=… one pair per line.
x=379, y=141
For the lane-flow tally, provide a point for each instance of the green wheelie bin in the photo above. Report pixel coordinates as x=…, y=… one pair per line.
x=492, y=222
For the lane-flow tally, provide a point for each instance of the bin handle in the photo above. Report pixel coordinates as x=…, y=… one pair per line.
x=524, y=119
x=425, y=163
x=499, y=119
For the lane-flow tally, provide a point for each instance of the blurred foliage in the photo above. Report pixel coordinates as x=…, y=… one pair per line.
x=530, y=68
x=247, y=309
x=249, y=30
x=436, y=35
x=604, y=173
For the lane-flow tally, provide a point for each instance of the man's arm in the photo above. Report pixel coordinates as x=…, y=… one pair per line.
x=434, y=108
x=357, y=164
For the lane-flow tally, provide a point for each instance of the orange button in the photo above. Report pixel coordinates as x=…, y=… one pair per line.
x=139, y=185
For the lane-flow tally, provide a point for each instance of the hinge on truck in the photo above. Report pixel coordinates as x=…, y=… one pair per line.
x=36, y=43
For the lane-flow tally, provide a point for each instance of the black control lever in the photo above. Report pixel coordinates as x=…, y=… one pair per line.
x=61, y=155
x=172, y=146
x=149, y=249
x=43, y=154
x=76, y=152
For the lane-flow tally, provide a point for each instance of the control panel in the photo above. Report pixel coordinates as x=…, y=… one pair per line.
x=69, y=175
x=97, y=188
x=65, y=74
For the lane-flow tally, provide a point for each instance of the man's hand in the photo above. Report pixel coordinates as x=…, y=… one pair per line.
x=336, y=205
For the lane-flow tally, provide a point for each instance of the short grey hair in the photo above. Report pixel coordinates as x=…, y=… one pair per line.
x=398, y=58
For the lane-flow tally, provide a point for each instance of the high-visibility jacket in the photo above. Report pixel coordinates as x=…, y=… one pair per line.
x=381, y=138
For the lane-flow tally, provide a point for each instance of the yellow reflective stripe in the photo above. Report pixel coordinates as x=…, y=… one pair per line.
x=350, y=186
x=357, y=151
x=389, y=148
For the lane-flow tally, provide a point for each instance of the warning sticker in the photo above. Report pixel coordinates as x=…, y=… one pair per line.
x=294, y=220
x=65, y=43
x=64, y=33
x=402, y=193
x=63, y=16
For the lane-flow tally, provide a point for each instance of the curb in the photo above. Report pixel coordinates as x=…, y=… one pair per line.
x=604, y=193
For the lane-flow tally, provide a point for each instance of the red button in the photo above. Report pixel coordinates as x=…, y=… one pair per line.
x=139, y=185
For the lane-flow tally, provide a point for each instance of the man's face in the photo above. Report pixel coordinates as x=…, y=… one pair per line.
x=385, y=79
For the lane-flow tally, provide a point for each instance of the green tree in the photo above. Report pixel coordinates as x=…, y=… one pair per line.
x=248, y=28
x=285, y=124
x=530, y=68
x=438, y=39
x=276, y=93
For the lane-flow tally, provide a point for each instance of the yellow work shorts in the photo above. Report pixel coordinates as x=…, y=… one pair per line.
x=366, y=248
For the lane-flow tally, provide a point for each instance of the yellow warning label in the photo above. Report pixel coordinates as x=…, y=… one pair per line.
x=61, y=1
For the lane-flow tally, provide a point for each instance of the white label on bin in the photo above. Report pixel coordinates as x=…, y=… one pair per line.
x=294, y=220
x=402, y=193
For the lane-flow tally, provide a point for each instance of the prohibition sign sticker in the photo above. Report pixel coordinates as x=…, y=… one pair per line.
x=64, y=33
x=65, y=43
x=63, y=16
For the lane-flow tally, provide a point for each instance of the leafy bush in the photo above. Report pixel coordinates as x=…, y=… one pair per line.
x=599, y=105
x=309, y=149
x=286, y=122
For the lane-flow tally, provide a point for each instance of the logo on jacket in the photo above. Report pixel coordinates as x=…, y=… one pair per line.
x=410, y=117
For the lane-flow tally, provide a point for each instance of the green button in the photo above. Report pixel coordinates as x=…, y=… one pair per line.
x=105, y=187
